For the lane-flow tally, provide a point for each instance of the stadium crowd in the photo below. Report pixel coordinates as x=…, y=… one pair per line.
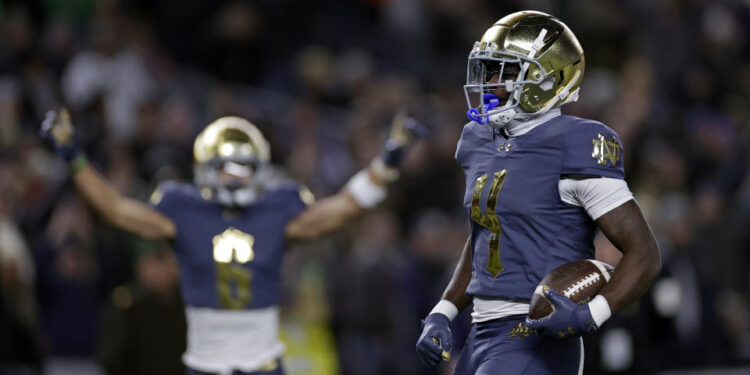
x=322, y=79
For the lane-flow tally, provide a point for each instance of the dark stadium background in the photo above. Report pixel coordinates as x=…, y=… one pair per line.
x=322, y=79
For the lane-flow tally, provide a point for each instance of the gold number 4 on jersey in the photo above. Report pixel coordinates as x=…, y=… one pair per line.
x=490, y=220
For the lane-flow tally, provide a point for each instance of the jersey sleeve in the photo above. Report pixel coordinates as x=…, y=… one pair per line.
x=166, y=199
x=294, y=199
x=591, y=148
x=303, y=198
x=473, y=136
x=596, y=195
x=460, y=154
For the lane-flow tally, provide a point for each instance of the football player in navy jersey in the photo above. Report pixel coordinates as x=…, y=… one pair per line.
x=538, y=185
x=230, y=229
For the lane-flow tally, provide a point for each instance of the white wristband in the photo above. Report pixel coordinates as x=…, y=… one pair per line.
x=365, y=192
x=446, y=308
x=600, y=310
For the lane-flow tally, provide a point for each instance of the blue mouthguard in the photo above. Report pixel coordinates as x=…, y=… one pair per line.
x=490, y=101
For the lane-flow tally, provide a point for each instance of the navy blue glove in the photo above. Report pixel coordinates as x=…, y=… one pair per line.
x=567, y=320
x=435, y=342
x=405, y=131
x=57, y=129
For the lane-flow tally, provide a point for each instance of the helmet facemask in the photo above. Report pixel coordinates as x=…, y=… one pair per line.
x=231, y=183
x=231, y=162
x=489, y=71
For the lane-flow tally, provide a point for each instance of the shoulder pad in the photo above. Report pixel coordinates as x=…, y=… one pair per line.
x=473, y=136
x=168, y=188
x=305, y=195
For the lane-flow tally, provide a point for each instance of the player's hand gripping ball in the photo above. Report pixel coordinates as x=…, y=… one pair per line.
x=559, y=304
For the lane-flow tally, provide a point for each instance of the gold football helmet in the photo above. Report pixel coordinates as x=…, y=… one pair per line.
x=545, y=53
x=236, y=147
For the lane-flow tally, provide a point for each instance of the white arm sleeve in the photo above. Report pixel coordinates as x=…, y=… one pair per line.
x=596, y=195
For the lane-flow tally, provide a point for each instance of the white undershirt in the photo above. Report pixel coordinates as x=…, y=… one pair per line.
x=596, y=195
x=220, y=341
x=517, y=128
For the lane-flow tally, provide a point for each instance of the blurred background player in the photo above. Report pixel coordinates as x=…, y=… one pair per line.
x=230, y=230
x=536, y=194
x=321, y=80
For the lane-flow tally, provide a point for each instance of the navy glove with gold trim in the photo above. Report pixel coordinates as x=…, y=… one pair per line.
x=567, y=320
x=405, y=131
x=435, y=342
x=57, y=129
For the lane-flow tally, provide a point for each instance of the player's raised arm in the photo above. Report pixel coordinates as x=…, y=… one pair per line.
x=365, y=190
x=123, y=212
x=434, y=343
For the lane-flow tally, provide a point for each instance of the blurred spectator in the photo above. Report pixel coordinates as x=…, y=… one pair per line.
x=143, y=325
x=67, y=290
x=111, y=70
x=78, y=262
x=372, y=313
x=9, y=112
x=234, y=47
x=20, y=335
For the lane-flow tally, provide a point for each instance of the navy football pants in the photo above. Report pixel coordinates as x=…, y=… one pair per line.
x=501, y=347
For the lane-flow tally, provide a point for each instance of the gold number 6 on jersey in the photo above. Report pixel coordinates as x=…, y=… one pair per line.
x=232, y=249
x=490, y=220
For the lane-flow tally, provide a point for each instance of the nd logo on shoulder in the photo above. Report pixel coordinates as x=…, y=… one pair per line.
x=606, y=150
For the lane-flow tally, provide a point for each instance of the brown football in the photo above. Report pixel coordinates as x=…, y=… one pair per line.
x=579, y=280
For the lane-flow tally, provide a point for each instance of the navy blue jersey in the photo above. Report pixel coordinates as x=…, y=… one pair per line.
x=521, y=229
x=229, y=260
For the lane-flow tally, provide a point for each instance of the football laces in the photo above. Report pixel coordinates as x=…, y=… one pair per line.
x=581, y=284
